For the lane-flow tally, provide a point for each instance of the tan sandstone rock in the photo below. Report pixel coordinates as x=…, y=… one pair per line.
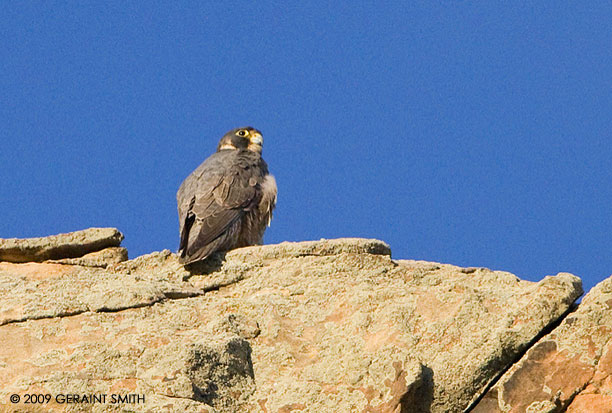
x=55, y=247
x=569, y=369
x=324, y=326
x=102, y=258
x=43, y=290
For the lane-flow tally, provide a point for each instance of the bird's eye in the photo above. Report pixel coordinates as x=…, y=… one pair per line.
x=242, y=133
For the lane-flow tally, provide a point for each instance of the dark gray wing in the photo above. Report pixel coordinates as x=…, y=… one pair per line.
x=212, y=202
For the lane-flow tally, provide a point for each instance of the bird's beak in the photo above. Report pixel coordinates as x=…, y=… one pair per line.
x=256, y=139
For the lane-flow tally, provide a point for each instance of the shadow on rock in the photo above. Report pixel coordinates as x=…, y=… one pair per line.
x=207, y=266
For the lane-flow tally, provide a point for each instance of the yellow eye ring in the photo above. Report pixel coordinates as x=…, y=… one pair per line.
x=242, y=133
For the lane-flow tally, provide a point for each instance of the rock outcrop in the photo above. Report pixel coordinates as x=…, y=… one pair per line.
x=65, y=246
x=569, y=369
x=323, y=326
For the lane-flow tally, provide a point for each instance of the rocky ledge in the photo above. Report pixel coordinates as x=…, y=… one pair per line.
x=321, y=326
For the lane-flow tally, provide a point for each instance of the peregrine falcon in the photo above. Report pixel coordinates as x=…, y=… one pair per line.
x=227, y=202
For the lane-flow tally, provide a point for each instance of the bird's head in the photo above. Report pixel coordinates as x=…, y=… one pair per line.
x=242, y=138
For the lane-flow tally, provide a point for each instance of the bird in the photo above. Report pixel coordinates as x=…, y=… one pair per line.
x=227, y=201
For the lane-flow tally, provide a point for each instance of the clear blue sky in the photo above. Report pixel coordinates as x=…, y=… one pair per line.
x=471, y=133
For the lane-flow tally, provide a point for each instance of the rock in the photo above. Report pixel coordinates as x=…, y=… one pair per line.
x=55, y=247
x=569, y=369
x=322, y=247
x=330, y=325
x=214, y=370
x=43, y=290
x=103, y=258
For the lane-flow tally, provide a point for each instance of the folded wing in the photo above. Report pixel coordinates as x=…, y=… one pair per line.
x=212, y=203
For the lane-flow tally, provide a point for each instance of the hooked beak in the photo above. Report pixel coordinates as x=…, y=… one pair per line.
x=256, y=139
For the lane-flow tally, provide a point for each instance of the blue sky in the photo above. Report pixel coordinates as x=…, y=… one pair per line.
x=471, y=133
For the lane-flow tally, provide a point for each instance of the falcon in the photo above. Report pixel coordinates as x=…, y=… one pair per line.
x=227, y=202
